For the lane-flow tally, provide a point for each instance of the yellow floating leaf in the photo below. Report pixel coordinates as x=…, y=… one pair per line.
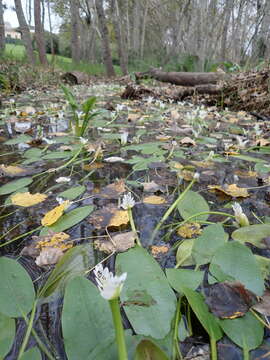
x=157, y=250
x=263, y=142
x=231, y=190
x=133, y=117
x=154, y=200
x=27, y=199
x=58, y=240
x=119, y=218
x=188, y=230
x=246, y=173
x=53, y=215
x=12, y=170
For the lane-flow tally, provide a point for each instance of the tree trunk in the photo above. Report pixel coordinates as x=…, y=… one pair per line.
x=107, y=57
x=50, y=27
x=118, y=36
x=26, y=36
x=75, y=31
x=39, y=34
x=2, y=29
x=183, y=78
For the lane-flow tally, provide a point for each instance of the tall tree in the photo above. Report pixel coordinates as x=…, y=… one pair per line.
x=2, y=29
x=39, y=34
x=26, y=36
x=75, y=31
x=107, y=57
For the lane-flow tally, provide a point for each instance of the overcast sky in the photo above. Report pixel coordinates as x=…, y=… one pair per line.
x=10, y=16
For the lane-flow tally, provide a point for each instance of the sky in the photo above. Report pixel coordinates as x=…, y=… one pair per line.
x=10, y=16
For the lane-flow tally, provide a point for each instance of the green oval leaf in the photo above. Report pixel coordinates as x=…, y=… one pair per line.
x=88, y=315
x=183, y=255
x=237, y=261
x=18, y=140
x=73, y=192
x=14, y=185
x=17, y=291
x=253, y=234
x=181, y=278
x=208, y=320
x=70, y=219
x=206, y=245
x=149, y=301
x=7, y=334
x=192, y=204
x=31, y=354
x=148, y=350
x=246, y=332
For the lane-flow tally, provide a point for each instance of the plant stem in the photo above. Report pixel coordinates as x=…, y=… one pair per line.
x=213, y=348
x=119, y=330
x=245, y=353
x=28, y=331
x=133, y=227
x=176, y=352
x=170, y=210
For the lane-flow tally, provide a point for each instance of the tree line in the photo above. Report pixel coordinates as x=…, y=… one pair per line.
x=177, y=34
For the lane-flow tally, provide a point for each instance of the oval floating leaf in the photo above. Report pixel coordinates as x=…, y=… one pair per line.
x=18, y=140
x=246, y=332
x=15, y=185
x=237, y=261
x=183, y=255
x=88, y=315
x=206, y=245
x=253, y=234
x=32, y=354
x=181, y=278
x=192, y=204
x=73, y=192
x=17, y=291
x=148, y=350
x=149, y=301
x=70, y=219
x=7, y=334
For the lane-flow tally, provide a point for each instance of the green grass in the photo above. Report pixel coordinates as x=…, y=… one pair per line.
x=17, y=52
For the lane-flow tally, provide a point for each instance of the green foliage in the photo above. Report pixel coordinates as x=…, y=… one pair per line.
x=192, y=204
x=7, y=333
x=148, y=350
x=14, y=185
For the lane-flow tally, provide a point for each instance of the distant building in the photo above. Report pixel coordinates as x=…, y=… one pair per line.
x=11, y=32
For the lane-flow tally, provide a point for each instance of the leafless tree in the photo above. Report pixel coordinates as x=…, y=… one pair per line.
x=2, y=29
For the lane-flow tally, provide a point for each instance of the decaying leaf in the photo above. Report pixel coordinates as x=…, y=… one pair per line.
x=14, y=170
x=119, y=218
x=49, y=256
x=53, y=215
x=151, y=186
x=263, y=306
x=93, y=166
x=113, y=191
x=188, y=230
x=158, y=250
x=118, y=243
x=57, y=240
x=26, y=199
x=154, y=200
x=231, y=190
x=187, y=141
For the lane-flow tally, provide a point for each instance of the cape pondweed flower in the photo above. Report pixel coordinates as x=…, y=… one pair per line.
x=109, y=285
x=240, y=216
x=128, y=201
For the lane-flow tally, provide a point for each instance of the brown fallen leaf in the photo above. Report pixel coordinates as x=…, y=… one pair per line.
x=232, y=190
x=157, y=250
x=263, y=306
x=113, y=191
x=187, y=141
x=118, y=243
x=119, y=218
x=154, y=200
x=13, y=170
x=49, y=256
x=151, y=186
x=26, y=199
x=188, y=230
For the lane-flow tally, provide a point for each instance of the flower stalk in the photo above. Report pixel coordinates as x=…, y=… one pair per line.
x=119, y=330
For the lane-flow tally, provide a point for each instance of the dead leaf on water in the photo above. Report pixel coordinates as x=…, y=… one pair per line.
x=157, y=250
x=49, y=256
x=14, y=170
x=231, y=190
x=118, y=243
x=188, y=230
x=113, y=191
x=26, y=199
x=187, y=141
x=151, y=186
x=53, y=215
x=119, y=218
x=154, y=200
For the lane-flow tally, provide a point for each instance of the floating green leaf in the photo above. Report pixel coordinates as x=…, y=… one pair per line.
x=7, y=334
x=253, y=234
x=73, y=192
x=192, y=204
x=248, y=158
x=246, y=332
x=205, y=246
x=183, y=255
x=181, y=278
x=15, y=185
x=149, y=301
x=237, y=261
x=54, y=155
x=17, y=293
x=208, y=320
x=148, y=350
x=88, y=315
x=70, y=219
x=32, y=153
x=32, y=354
x=74, y=262
x=18, y=140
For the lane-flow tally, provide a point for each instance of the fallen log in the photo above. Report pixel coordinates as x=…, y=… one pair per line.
x=75, y=78
x=183, y=78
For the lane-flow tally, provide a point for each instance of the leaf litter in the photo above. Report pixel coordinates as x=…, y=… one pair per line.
x=153, y=147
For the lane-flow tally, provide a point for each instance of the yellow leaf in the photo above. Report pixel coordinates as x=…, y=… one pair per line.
x=154, y=200
x=53, y=215
x=231, y=190
x=119, y=218
x=58, y=240
x=188, y=230
x=12, y=170
x=157, y=250
x=27, y=199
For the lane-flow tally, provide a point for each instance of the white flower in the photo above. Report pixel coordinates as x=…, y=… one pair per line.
x=124, y=137
x=240, y=216
x=119, y=107
x=196, y=176
x=48, y=141
x=110, y=286
x=240, y=142
x=62, y=179
x=114, y=159
x=128, y=201
x=150, y=99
